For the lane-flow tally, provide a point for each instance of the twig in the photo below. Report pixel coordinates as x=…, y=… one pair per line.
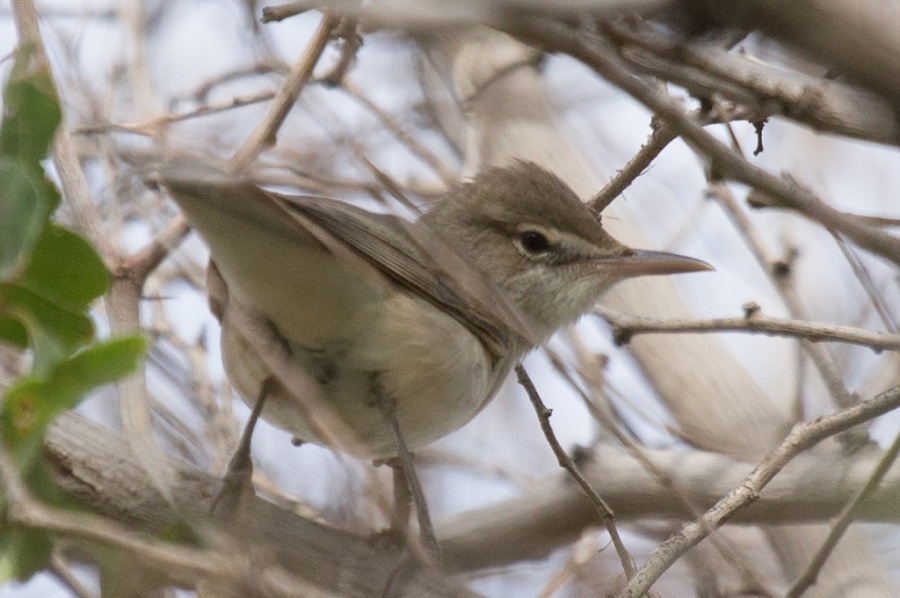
x=264, y=134
x=351, y=41
x=808, y=577
x=60, y=568
x=141, y=264
x=801, y=438
x=580, y=555
x=201, y=93
x=708, y=70
x=280, y=12
x=150, y=126
x=865, y=279
x=626, y=326
x=638, y=452
x=123, y=310
x=725, y=162
x=659, y=139
x=65, y=156
x=425, y=154
x=603, y=510
x=779, y=272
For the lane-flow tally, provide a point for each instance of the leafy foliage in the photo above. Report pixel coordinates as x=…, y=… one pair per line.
x=49, y=277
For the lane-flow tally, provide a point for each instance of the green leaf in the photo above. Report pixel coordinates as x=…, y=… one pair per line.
x=25, y=204
x=31, y=110
x=99, y=364
x=32, y=403
x=12, y=332
x=23, y=553
x=124, y=575
x=65, y=270
x=23, y=420
x=54, y=332
x=180, y=532
x=31, y=115
x=64, y=274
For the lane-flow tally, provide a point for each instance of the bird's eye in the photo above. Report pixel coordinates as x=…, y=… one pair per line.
x=534, y=243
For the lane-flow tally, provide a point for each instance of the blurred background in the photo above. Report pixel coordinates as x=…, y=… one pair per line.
x=408, y=99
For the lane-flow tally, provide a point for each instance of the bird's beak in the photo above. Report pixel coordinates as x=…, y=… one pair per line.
x=640, y=262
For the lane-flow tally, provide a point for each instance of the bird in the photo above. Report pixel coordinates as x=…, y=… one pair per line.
x=433, y=314
x=375, y=335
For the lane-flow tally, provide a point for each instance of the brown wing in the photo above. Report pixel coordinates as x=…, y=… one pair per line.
x=376, y=247
x=416, y=258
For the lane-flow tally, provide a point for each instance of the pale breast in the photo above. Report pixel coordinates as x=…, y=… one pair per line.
x=436, y=371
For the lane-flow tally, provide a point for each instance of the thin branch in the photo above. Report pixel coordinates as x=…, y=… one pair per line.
x=201, y=93
x=265, y=133
x=603, y=510
x=638, y=452
x=150, y=126
x=141, y=264
x=659, y=139
x=707, y=70
x=426, y=155
x=122, y=302
x=844, y=520
x=65, y=156
x=779, y=273
x=626, y=326
x=725, y=162
x=801, y=438
x=280, y=12
x=865, y=279
x=60, y=568
x=663, y=134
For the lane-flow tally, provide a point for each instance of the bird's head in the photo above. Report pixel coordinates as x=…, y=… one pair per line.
x=531, y=235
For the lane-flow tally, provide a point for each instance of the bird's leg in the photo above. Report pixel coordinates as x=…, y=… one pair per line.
x=238, y=480
x=403, y=500
x=406, y=482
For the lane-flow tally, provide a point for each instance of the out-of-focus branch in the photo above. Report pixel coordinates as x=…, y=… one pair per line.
x=264, y=133
x=661, y=137
x=426, y=155
x=549, y=514
x=856, y=38
x=184, y=565
x=847, y=516
x=323, y=557
x=802, y=437
x=707, y=71
x=596, y=54
x=779, y=272
x=142, y=263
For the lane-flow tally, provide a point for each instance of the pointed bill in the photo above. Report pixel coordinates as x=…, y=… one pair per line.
x=641, y=262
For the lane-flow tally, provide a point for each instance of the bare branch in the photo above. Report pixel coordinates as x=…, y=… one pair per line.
x=801, y=438
x=843, y=522
x=626, y=326
x=708, y=71
x=264, y=134
x=603, y=510
x=142, y=263
x=725, y=162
